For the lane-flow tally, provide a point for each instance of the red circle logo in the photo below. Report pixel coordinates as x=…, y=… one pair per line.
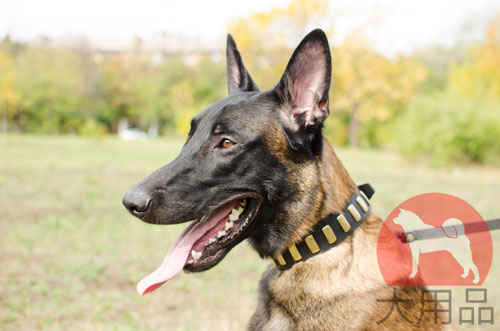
x=434, y=239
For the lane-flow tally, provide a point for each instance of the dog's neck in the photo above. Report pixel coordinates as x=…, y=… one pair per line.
x=334, y=215
x=335, y=188
x=336, y=182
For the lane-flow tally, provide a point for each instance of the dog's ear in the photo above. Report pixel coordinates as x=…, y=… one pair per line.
x=238, y=78
x=303, y=89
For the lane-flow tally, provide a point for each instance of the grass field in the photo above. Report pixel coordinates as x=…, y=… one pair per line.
x=70, y=255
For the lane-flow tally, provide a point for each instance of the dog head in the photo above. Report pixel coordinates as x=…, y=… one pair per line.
x=249, y=164
x=407, y=219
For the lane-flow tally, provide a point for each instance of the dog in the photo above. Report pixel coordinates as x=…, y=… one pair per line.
x=256, y=166
x=454, y=241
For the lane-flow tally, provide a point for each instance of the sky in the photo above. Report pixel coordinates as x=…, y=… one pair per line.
x=392, y=26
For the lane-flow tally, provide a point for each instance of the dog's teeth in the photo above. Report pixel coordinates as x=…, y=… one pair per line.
x=240, y=209
x=212, y=240
x=243, y=203
x=190, y=261
x=221, y=234
x=196, y=255
x=229, y=225
x=235, y=213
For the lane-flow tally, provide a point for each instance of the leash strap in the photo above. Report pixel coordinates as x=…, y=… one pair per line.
x=330, y=231
x=439, y=232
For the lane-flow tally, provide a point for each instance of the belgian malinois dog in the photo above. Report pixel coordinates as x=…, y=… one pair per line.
x=256, y=166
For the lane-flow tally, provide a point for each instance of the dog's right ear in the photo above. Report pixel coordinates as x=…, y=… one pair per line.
x=238, y=78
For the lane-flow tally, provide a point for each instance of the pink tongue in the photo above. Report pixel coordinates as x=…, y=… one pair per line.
x=178, y=253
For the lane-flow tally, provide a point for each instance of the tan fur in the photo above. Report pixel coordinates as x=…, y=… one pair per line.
x=304, y=176
x=336, y=290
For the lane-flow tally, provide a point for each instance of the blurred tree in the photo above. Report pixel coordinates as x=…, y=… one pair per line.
x=437, y=58
x=10, y=47
x=266, y=39
x=92, y=88
x=369, y=86
x=479, y=74
x=9, y=95
x=449, y=128
x=163, y=94
x=194, y=90
x=51, y=88
x=119, y=72
x=459, y=124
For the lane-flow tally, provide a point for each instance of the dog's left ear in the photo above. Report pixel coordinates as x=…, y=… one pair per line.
x=238, y=78
x=303, y=89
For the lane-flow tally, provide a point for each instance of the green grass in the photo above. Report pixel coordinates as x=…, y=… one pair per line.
x=70, y=255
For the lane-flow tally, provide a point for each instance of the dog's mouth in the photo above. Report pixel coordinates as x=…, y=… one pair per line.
x=205, y=241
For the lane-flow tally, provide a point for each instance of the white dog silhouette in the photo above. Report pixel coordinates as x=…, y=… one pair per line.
x=455, y=242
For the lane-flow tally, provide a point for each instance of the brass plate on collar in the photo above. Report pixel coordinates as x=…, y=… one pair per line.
x=281, y=259
x=311, y=243
x=295, y=252
x=329, y=234
x=354, y=212
x=343, y=223
x=362, y=203
x=366, y=198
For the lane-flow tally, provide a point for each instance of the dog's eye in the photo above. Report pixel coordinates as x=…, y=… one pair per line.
x=226, y=143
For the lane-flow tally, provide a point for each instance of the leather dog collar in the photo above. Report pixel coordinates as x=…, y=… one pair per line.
x=330, y=231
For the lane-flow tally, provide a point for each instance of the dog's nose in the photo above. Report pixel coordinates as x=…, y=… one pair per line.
x=137, y=202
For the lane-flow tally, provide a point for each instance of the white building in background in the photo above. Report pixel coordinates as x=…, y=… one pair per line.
x=126, y=133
